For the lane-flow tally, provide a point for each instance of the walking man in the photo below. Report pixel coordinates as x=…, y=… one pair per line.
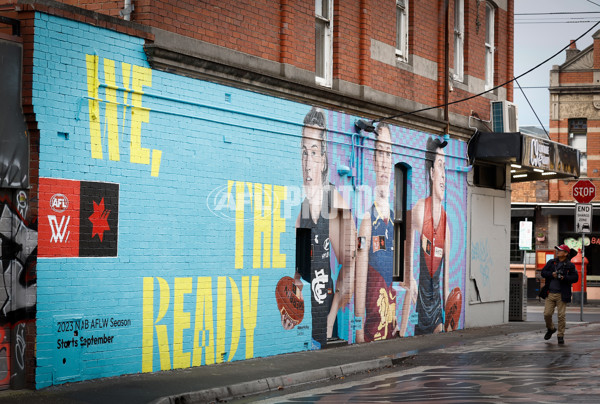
x=559, y=274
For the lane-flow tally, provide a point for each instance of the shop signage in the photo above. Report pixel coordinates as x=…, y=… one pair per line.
x=525, y=230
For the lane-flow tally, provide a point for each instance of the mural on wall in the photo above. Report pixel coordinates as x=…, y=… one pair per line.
x=433, y=261
x=18, y=243
x=186, y=259
x=430, y=230
x=321, y=212
x=432, y=281
x=436, y=274
x=375, y=297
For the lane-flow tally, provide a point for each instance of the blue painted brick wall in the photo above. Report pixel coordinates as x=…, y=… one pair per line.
x=169, y=228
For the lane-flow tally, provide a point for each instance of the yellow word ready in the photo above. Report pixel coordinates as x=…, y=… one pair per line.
x=165, y=321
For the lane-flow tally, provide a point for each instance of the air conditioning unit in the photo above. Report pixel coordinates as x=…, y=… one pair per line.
x=505, y=117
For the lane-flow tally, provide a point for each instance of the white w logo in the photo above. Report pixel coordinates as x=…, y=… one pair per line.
x=58, y=231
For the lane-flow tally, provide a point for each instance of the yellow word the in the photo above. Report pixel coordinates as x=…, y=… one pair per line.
x=207, y=346
x=134, y=79
x=268, y=224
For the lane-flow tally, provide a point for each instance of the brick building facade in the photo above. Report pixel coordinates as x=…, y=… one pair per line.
x=574, y=121
x=199, y=182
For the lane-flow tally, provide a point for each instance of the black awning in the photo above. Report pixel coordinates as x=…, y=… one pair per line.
x=565, y=210
x=495, y=147
x=521, y=211
x=531, y=158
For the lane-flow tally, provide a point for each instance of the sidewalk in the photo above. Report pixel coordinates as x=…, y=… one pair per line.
x=227, y=380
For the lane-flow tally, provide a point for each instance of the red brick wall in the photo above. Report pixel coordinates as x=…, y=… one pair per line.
x=576, y=77
x=596, y=53
x=352, y=52
x=283, y=31
x=247, y=26
x=562, y=190
x=523, y=192
x=107, y=7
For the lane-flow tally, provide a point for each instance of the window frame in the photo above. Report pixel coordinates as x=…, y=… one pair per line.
x=577, y=130
x=326, y=21
x=402, y=30
x=401, y=172
x=459, y=40
x=490, y=50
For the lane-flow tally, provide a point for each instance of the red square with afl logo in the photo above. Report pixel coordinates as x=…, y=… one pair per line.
x=58, y=227
x=78, y=218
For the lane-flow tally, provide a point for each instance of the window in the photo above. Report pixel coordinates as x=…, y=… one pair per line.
x=323, y=41
x=516, y=254
x=489, y=175
x=402, y=29
x=578, y=140
x=400, y=187
x=459, y=40
x=489, y=46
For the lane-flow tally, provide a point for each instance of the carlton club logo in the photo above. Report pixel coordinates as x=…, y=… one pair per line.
x=319, y=286
x=82, y=218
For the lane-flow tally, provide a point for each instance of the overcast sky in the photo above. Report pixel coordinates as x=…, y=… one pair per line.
x=537, y=37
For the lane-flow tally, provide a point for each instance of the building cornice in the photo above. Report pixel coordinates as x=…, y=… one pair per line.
x=198, y=59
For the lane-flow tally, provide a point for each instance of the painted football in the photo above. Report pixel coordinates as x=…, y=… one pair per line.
x=453, y=308
x=289, y=300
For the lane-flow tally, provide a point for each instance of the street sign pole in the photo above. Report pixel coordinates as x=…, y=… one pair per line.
x=584, y=191
x=582, y=274
x=584, y=213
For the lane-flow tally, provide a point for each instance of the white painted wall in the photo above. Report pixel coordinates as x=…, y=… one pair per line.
x=488, y=258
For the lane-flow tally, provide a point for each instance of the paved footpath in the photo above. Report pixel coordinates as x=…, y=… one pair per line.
x=515, y=368
x=224, y=381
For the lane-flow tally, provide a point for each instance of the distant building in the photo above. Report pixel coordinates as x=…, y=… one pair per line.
x=534, y=131
x=574, y=121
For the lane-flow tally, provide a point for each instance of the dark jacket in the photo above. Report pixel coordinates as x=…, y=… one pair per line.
x=571, y=276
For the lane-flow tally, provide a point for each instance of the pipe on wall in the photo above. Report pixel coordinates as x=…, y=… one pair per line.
x=127, y=10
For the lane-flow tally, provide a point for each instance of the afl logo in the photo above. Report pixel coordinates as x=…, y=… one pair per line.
x=59, y=203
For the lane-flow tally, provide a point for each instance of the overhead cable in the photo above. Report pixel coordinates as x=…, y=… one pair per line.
x=491, y=89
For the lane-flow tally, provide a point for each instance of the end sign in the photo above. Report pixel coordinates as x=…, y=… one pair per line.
x=584, y=191
x=583, y=218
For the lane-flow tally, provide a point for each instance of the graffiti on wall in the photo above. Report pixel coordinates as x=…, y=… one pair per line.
x=14, y=142
x=18, y=287
x=483, y=259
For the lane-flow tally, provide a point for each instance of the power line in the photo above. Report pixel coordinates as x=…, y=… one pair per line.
x=531, y=106
x=554, y=22
x=560, y=12
x=491, y=89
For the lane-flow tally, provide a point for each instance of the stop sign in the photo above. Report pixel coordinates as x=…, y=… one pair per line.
x=584, y=191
